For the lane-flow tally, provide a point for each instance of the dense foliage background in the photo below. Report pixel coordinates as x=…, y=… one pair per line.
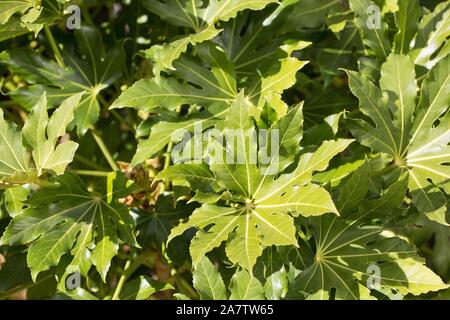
x=95, y=203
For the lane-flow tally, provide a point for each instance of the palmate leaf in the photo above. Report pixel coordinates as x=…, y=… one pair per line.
x=211, y=84
x=40, y=134
x=90, y=74
x=209, y=284
x=244, y=286
x=15, y=277
x=197, y=16
x=260, y=212
x=322, y=102
x=142, y=288
x=255, y=37
x=14, y=200
x=165, y=132
x=374, y=37
x=407, y=21
x=345, y=255
x=264, y=66
x=208, y=281
x=423, y=38
x=210, y=81
x=306, y=14
x=66, y=219
x=212, y=78
x=340, y=51
x=431, y=42
x=347, y=251
x=21, y=16
x=415, y=136
x=155, y=227
x=8, y=8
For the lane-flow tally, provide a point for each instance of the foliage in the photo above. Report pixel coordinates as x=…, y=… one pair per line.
x=119, y=179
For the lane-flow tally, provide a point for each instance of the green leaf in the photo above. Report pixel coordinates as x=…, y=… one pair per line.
x=289, y=193
x=142, y=288
x=276, y=285
x=408, y=132
x=68, y=219
x=199, y=176
x=374, y=36
x=407, y=21
x=40, y=133
x=208, y=282
x=164, y=55
x=8, y=8
x=14, y=165
x=211, y=74
x=355, y=189
x=345, y=255
x=243, y=176
x=155, y=227
x=90, y=75
x=165, y=132
x=15, y=277
x=23, y=16
x=290, y=132
x=15, y=200
x=244, y=286
x=261, y=210
x=428, y=147
x=311, y=13
x=341, y=51
x=196, y=16
x=431, y=43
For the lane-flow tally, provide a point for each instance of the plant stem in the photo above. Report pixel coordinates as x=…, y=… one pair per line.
x=102, y=100
x=91, y=173
x=166, y=182
x=137, y=263
x=105, y=151
x=167, y=155
x=186, y=286
x=122, y=280
x=128, y=270
x=8, y=103
x=89, y=163
x=122, y=120
x=54, y=46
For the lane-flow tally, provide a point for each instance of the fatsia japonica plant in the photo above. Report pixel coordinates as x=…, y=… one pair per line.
x=224, y=149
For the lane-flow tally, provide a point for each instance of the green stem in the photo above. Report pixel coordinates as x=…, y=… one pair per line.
x=89, y=163
x=167, y=157
x=91, y=173
x=105, y=151
x=166, y=184
x=8, y=103
x=128, y=270
x=137, y=263
x=102, y=100
x=54, y=46
x=122, y=120
x=122, y=280
x=184, y=285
